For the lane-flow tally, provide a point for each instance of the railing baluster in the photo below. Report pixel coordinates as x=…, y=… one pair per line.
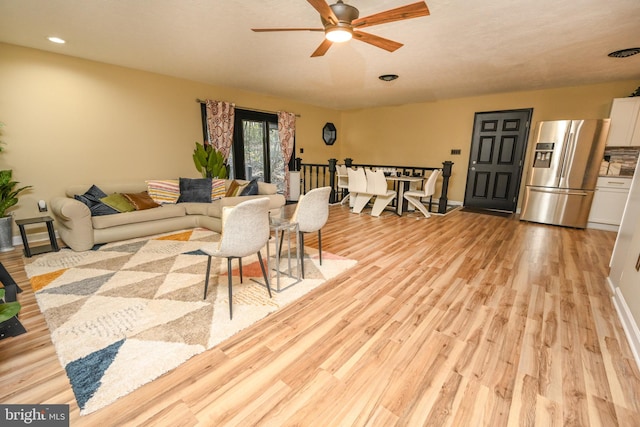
x=321, y=173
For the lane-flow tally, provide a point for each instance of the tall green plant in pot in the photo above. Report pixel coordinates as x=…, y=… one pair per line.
x=8, y=198
x=209, y=162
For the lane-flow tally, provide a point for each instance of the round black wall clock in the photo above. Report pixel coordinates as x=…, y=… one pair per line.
x=329, y=133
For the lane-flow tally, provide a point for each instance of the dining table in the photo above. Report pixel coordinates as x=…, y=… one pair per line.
x=404, y=181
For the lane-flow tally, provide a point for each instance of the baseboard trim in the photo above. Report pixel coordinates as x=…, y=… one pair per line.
x=600, y=226
x=628, y=324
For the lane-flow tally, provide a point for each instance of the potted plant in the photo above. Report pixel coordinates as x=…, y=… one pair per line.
x=209, y=161
x=8, y=311
x=8, y=198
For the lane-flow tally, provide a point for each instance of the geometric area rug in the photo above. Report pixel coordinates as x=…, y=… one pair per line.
x=125, y=313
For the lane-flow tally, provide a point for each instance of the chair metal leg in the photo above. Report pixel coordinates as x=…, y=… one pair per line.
x=230, y=281
x=320, y=245
x=264, y=273
x=240, y=264
x=301, y=235
x=280, y=247
x=206, y=279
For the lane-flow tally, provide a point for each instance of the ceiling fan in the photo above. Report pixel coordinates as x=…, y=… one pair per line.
x=341, y=23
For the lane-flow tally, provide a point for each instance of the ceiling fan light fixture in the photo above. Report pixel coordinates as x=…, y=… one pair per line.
x=340, y=22
x=338, y=34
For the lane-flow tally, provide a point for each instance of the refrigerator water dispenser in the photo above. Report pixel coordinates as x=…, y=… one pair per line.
x=544, y=152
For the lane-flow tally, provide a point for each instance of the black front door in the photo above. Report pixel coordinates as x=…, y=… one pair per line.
x=496, y=159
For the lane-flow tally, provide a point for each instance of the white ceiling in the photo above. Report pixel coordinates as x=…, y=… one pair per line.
x=464, y=48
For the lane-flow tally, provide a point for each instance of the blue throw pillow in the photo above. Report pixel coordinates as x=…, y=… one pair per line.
x=196, y=190
x=91, y=198
x=251, y=189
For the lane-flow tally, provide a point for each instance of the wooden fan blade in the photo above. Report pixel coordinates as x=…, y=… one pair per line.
x=409, y=11
x=323, y=48
x=324, y=10
x=377, y=41
x=266, y=30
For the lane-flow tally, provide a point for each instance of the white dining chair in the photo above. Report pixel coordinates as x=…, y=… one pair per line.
x=343, y=182
x=377, y=187
x=414, y=197
x=245, y=231
x=358, y=189
x=311, y=214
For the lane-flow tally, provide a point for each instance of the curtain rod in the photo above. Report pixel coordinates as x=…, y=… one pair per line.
x=200, y=101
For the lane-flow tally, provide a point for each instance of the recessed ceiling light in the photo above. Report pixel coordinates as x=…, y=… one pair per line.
x=388, y=77
x=56, y=40
x=625, y=52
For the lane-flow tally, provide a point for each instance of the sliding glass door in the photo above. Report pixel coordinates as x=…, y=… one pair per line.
x=256, y=151
x=256, y=148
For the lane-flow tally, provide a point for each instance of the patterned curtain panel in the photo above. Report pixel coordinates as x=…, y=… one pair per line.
x=286, y=132
x=220, y=117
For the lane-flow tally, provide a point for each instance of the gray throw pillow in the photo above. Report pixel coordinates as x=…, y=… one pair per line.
x=196, y=190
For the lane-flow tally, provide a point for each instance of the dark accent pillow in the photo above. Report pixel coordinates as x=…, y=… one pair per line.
x=141, y=201
x=91, y=198
x=195, y=190
x=251, y=189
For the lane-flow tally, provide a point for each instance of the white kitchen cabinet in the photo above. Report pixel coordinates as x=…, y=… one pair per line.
x=609, y=200
x=624, y=129
x=624, y=275
x=628, y=227
x=630, y=276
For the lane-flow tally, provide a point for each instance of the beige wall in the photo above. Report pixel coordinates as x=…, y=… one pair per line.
x=72, y=121
x=424, y=134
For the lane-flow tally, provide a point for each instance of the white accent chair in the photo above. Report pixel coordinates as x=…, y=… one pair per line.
x=415, y=197
x=377, y=186
x=358, y=189
x=311, y=214
x=245, y=231
x=343, y=182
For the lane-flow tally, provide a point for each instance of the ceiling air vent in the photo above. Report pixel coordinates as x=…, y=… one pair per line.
x=625, y=52
x=388, y=77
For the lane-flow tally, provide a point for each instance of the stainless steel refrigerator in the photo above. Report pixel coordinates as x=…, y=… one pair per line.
x=564, y=171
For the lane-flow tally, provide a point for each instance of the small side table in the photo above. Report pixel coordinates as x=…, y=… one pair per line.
x=280, y=226
x=29, y=252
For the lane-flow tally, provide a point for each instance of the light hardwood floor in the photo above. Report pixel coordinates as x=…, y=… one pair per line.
x=462, y=320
